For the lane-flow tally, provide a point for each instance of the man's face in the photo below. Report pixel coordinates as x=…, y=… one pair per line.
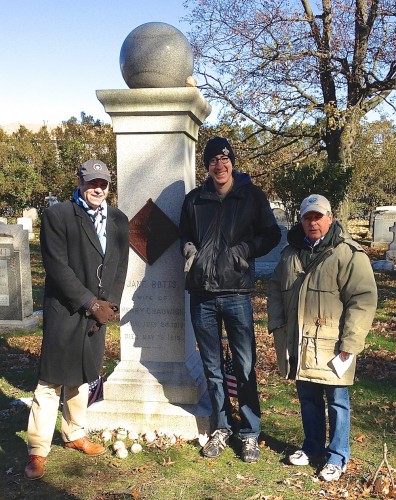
x=94, y=192
x=316, y=225
x=220, y=169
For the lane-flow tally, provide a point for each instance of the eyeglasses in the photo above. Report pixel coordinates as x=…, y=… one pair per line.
x=223, y=159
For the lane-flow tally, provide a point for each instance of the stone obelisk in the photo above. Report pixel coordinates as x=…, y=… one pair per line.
x=159, y=381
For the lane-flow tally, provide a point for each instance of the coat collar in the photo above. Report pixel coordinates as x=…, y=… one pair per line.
x=89, y=229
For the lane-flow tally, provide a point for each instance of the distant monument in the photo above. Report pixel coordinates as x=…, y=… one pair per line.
x=383, y=219
x=51, y=199
x=159, y=382
x=391, y=252
x=27, y=223
x=265, y=265
x=16, y=302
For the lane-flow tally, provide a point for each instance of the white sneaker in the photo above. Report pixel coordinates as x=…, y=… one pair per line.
x=331, y=472
x=299, y=457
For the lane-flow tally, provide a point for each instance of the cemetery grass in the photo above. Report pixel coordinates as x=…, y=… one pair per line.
x=167, y=472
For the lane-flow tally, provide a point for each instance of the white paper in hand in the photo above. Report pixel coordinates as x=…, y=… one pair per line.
x=339, y=366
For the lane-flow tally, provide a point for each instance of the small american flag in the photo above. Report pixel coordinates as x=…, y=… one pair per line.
x=229, y=375
x=95, y=391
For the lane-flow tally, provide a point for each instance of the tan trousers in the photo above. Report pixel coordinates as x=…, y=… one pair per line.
x=44, y=412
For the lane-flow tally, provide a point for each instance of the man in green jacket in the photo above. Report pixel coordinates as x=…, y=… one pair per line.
x=321, y=304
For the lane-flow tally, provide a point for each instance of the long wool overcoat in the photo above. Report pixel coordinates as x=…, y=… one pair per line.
x=76, y=271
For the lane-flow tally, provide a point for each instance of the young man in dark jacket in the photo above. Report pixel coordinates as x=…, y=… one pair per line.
x=225, y=225
x=84, y=245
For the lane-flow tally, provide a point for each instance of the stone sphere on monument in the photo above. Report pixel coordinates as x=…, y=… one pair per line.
x=156, y=55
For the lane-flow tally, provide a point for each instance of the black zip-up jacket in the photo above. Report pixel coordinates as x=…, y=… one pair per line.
x=223, y=237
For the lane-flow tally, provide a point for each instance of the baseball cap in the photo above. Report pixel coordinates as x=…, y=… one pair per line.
x=315, y=203
x=94, y=169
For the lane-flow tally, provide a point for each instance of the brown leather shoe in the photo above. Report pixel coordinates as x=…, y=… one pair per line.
x=35, y=467
x=86, y=446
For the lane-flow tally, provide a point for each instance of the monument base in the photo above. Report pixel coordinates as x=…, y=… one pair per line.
x=26, y=324
x=186, y=421
x=177, y=383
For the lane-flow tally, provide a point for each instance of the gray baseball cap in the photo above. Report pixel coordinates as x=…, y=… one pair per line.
x=94, y=169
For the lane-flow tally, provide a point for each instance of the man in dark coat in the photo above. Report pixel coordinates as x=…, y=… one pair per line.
x=225, y=225
x=84, y=245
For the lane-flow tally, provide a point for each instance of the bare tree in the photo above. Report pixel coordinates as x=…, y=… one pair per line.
x=304, y=74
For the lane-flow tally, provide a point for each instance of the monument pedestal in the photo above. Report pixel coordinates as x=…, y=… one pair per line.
x=159, y=382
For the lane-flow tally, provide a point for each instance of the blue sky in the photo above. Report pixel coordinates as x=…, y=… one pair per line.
x=54, y=54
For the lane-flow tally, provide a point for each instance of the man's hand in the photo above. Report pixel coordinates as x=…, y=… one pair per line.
x=344, y=355
x=189, y=252
x=102, y=310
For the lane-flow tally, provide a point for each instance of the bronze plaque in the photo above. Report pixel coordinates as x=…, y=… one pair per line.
x=151, y=232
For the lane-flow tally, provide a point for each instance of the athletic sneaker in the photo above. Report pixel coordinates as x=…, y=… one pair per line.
x=250, y=450
x=331, y=472
x=216, y=444
x=299, y=457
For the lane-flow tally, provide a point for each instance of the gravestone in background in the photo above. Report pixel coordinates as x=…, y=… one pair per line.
x=32, y=213
x=383, y=220
x=265, y=265
x=16, y=301
x=391, y=252
x=27, y=223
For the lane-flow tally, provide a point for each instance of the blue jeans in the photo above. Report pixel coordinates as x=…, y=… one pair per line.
x=207, y=315
x=311, y=396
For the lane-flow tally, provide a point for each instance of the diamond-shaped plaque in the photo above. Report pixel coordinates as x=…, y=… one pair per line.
x=151, y=232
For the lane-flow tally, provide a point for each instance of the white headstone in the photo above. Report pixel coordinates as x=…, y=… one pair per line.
x=31, y=212
x=27, y=223
x=383, y=220
x=391, y=253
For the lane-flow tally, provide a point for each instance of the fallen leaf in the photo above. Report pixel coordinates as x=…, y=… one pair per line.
x=140, y=469
x=360, y=438
x=381, y=486
x=9, y=471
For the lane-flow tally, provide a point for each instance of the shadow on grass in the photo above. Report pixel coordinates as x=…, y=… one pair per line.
x=19, y=374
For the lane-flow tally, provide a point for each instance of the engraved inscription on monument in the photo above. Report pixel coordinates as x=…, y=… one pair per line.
x=157, y=316
x=10, y=283
x=4, y=290
x=151, y=232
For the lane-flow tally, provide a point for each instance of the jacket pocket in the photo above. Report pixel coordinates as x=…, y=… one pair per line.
x=198, y=274
x=317, y=352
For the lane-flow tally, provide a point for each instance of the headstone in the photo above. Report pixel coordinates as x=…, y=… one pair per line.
x=3, y=220
x=391, y=252
x=27, y=224
x=51, y=199
x=32, y=213
x=159, y=382
x=265, y=265
x=383, y=220
x=16, y=301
